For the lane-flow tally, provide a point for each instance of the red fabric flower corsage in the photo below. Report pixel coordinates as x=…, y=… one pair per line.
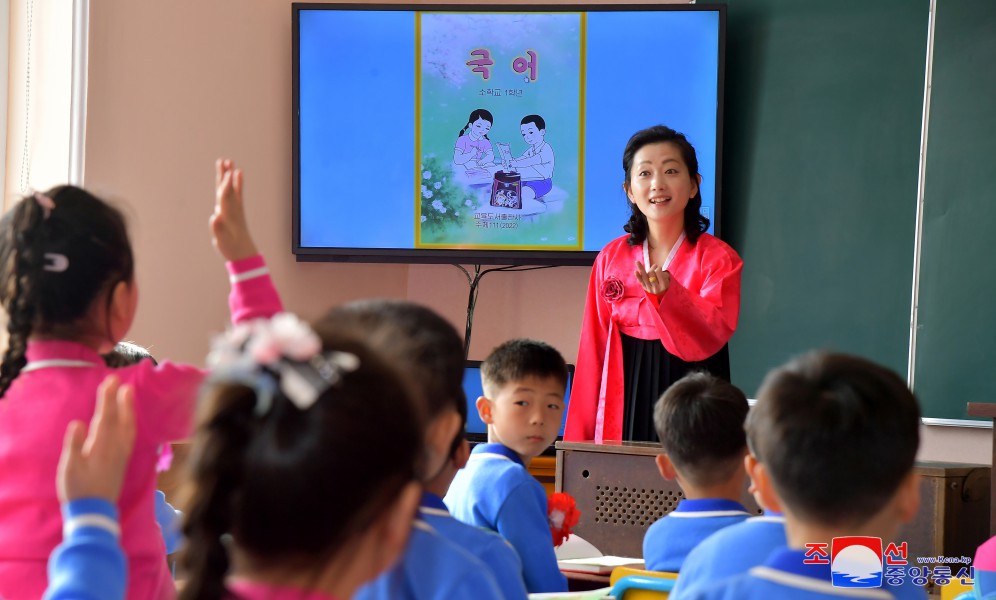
x=563, y=513
x=612, y=289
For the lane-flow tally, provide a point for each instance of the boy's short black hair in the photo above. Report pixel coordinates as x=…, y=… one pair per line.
x=837, y=433
x=126, y=354
x=700, y=422
x=520, y=358
x=535, y=120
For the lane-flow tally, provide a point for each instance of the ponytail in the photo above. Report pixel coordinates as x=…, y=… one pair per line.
x=216, y=473
x=275, y=467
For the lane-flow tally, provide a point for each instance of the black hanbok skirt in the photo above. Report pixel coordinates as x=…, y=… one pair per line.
x=648, y=370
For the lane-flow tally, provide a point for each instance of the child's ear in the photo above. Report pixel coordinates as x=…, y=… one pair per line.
x=484, y=408
x=666, y=467
x=462, y=454
x=124, y=302
x=908, y=497
x=764, y=490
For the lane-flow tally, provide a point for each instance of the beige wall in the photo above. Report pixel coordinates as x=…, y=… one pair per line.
x=174, y=85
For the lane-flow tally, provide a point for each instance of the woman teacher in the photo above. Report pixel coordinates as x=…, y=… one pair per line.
x=662, y=300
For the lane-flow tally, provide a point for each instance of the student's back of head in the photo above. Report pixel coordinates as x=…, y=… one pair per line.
x=428, y=351
x=299, y=485
x=700, y=423
x=837, y=433
x=517, y=359
x=126, y=354
x=415, y=338
x=61, y=253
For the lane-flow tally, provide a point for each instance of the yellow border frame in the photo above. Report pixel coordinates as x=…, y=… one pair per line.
x=582, y=58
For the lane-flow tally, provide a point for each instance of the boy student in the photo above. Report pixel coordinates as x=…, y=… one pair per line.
x=700, y=422
x=536, y=163
x=837, y=436
x=524, y=383
x=735, y=549
x=428, y=352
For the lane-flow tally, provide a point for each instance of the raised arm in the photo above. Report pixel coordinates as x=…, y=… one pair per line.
x=90, y=563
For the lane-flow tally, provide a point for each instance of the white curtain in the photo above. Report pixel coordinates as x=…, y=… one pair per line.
x=38, y=95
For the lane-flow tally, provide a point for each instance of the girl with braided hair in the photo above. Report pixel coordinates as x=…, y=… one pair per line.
x=68, y=285
x=274, y=467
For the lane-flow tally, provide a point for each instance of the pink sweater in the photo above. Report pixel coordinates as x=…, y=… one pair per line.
x=59, y=385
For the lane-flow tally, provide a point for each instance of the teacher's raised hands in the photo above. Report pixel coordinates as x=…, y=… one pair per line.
x=654, y=280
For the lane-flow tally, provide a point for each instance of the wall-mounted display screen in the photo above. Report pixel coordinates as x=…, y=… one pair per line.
x=468, y=133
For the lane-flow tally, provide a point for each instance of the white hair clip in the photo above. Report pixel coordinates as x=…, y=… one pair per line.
x=56, y=263
x=282, y=353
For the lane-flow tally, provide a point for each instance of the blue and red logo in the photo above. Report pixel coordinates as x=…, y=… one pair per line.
x=856, y=561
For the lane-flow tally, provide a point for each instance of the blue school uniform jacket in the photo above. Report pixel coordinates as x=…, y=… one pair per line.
x=670, y=539
x=169, y=520
x=432, y=568
x=733, y=550
x=784, y=575
x=492, y=549
x=495, y=491
x=89, y=564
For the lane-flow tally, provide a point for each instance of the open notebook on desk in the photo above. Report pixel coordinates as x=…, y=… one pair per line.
x=578, y=555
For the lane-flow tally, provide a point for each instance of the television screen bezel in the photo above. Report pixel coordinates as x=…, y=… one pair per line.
x=470, y=256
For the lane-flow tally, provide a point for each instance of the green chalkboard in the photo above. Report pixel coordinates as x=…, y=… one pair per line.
x=822, y=107
x=956, y=338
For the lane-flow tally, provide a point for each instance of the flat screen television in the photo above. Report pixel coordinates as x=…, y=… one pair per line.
x=489, y=134
x=476, y=430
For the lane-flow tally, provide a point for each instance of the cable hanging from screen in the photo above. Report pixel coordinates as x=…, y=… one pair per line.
x=475, y=281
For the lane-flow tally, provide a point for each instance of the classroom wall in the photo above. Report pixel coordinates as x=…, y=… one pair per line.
x=173, y=86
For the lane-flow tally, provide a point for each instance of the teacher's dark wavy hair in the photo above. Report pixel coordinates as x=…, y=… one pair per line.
x=695, y=223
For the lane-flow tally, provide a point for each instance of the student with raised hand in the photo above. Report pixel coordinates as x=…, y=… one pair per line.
x=700, y=422
x=523, y=407
x=837, y=436
x=444, y=558
x=752, y=540
x=67, y=282
x=90, y=564
x=305, y=456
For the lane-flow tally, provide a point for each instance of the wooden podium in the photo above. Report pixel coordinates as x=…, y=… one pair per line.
x=988, y=409
x=620, y=494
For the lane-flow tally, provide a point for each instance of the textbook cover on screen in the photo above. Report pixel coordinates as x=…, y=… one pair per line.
x=489, y=134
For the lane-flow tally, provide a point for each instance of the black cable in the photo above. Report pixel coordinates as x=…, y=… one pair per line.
x=475, y=283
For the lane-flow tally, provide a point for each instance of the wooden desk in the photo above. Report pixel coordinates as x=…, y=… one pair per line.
x=987, y=409
x=620, y=494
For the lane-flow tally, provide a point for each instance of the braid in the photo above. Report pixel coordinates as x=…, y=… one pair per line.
x=213, y=486
x=20, y=254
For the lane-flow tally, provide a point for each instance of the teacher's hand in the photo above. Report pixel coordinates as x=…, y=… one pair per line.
x=654, y=280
